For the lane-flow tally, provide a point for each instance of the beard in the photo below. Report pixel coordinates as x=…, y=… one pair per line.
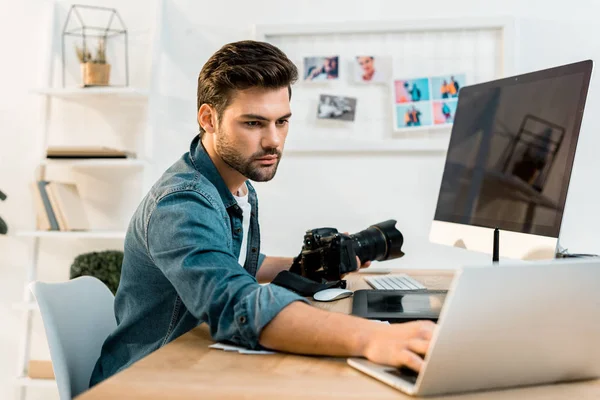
x=249, y=167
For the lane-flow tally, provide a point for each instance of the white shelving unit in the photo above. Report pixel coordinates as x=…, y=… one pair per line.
x=28, y=306
x=99, y=234
x=76, y=93
x=29, y=382
x=96, y=163
x=86, y=97
x=102, y=100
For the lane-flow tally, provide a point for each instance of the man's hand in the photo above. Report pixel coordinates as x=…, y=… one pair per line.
x=365, y=265
x=303, y=329
x=360, y=265
x=400, y=344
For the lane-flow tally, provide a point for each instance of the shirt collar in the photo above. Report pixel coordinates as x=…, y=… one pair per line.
x=203, y=164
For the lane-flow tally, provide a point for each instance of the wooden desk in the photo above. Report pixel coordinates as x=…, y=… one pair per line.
x=187, y=369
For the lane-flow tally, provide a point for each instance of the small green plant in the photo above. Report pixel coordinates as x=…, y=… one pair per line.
x=84, y=55
x=104, y=265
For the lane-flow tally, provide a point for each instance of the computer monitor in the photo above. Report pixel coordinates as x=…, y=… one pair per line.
x=509, y=162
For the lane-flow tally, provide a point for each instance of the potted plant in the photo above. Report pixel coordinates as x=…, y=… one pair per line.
x=95, y=71
x=104, y=265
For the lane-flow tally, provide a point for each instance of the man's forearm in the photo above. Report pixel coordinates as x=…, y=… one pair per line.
x=271, y=266
x=300, y=328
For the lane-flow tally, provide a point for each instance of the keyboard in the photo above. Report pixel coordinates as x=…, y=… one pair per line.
x=394, y=282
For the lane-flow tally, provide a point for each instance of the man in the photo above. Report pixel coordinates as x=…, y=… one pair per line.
x=414, y=92
x=455, y=85
x=192, y=247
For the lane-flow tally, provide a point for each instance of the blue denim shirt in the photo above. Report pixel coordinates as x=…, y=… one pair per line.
x=180, y=268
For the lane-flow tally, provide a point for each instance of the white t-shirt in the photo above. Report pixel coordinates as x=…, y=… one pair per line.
x=246, y=209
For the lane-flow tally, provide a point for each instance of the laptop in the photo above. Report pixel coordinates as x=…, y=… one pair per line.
x=509, y=326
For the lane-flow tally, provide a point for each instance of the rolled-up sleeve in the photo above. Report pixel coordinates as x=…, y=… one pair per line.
x=189, y=242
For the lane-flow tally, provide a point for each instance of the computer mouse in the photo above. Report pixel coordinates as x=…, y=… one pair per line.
x=332, y=294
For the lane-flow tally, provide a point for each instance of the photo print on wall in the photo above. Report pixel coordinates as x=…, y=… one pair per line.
x=446, y=86
x=426, y=102
x=443, y=111
x=411, y=90
x=412, y=115
x=372, y=69
x=336, y=107
x=321, y=69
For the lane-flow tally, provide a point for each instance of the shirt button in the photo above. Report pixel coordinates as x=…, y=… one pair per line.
x=238, y=230
x=243, y=319
x=254, y=249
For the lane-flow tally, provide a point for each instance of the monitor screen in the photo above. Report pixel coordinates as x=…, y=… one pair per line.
x=511, y=151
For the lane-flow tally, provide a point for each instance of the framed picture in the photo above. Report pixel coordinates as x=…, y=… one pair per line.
x=411, y=90
x=443, y=111
x=372, y=69
x=336, y=107
x=446, y=86
x=413, y=115
x=321, y=69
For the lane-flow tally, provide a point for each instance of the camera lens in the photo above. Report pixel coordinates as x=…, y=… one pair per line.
x=378, y=242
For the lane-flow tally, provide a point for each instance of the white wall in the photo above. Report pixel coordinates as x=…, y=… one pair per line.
x=348, y=191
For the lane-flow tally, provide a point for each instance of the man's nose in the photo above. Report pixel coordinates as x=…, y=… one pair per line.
x=271, y=137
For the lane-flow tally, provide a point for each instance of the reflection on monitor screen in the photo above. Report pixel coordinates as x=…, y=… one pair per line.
x=511, y=152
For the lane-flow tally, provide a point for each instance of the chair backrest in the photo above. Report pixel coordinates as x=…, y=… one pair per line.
x=78, y=316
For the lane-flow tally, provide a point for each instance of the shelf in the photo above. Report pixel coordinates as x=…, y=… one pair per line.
x=380, y=146
x=74, y=234
x=96, y=162
x=77, y=92
x=27, y=381
x=26, y=306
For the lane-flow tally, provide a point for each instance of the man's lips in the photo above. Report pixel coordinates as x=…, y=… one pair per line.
x=268, y=158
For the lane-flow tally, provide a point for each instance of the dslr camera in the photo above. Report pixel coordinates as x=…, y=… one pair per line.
x=328, y=254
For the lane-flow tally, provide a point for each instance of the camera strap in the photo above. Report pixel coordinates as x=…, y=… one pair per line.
x=304, y=286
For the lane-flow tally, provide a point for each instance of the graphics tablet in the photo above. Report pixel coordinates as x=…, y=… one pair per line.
x=398, y=305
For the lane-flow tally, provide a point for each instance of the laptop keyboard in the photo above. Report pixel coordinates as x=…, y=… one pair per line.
x=404, y=373
x=394, y=282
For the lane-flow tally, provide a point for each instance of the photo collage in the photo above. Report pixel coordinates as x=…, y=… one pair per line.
x=426, y=101
x=419, y=102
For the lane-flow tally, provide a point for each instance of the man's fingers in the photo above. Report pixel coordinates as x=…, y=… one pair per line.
x=365, y=265
x=419, y=346
x=411, y=360
x=426, y=329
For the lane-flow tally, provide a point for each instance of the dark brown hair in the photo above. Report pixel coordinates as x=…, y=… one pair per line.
x=239, y=66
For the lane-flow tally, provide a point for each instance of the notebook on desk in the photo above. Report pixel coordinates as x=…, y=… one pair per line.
x=509, y=326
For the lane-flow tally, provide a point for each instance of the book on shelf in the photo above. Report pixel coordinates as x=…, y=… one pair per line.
x=59, y=207
x=79, y=152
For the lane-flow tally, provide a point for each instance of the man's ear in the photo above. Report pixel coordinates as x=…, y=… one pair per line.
x=207, y=118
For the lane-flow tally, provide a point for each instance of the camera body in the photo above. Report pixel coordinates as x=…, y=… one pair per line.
x=328, y=254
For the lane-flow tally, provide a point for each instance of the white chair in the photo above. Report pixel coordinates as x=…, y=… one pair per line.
x=78, y=316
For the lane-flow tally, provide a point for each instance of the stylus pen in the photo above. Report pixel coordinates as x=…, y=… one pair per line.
x=496, y=250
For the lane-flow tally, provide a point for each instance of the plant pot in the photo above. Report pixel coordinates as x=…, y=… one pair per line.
x=95, y=74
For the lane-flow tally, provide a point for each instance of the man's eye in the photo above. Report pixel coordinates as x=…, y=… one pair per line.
x=252, y=123
x=282, y=122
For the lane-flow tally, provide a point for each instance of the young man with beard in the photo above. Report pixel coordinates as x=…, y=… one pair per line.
x=192, y=247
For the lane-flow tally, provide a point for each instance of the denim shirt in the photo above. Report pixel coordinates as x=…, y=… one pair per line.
x=180, y=268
